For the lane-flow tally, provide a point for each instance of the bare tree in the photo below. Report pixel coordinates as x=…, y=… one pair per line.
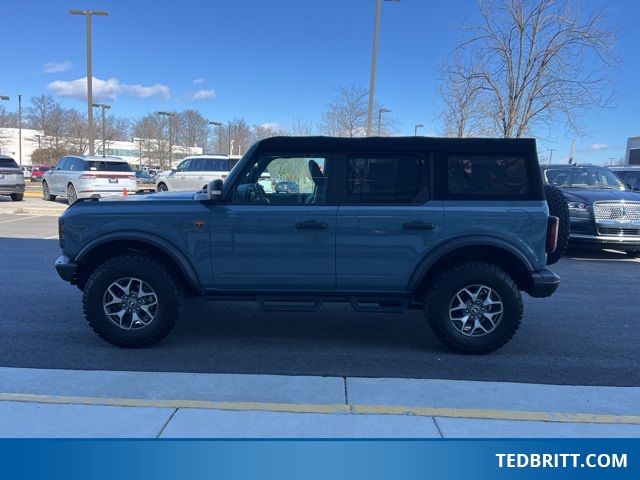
x=532, y=64
x=266, y=130
x=153, y=129
x=77, y=133
x=235, y=137
x=193, y=129
x=47, y=115
x=300, y=127
x=346, y=115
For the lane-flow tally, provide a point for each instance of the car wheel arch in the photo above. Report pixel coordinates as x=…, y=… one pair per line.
x=109, y=246
x=475, y=248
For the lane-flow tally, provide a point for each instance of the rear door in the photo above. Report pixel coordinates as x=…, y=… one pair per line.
x=57, y=177
x=386, y=223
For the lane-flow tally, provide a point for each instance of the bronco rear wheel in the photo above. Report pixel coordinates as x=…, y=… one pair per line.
x=473, y=307
x=132, y=301
x=558, y=207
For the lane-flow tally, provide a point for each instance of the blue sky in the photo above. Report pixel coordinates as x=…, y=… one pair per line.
x=271, y=61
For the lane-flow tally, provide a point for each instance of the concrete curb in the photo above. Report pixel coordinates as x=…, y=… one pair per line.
x=19, y=210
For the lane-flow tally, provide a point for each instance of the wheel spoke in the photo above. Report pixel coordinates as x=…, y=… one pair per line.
x=475, y=310
x=130, y=303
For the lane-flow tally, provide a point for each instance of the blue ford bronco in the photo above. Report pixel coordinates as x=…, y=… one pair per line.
x=455, y=227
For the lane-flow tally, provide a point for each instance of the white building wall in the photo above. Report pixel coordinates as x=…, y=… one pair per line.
x=633, y=143
x=29, y=143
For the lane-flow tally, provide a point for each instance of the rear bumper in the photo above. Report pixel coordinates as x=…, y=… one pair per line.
x=544, y=283
x=66, y=268
x=10, y=189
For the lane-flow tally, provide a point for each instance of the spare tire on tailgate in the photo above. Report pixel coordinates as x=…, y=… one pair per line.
x=558, y=208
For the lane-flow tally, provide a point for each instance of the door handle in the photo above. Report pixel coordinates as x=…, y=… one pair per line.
x=311, y=225
x=418, y=226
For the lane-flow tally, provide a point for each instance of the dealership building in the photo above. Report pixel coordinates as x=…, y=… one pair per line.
x=129, y=151
x=633, y=151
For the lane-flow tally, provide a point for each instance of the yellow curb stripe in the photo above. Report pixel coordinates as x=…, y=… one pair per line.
x=495, y=414
x=330, y=408
x=33, y=194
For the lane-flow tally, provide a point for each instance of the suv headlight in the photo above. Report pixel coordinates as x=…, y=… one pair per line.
x=578, y=207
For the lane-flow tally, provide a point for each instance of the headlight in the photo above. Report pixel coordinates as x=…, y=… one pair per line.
x=578, y=207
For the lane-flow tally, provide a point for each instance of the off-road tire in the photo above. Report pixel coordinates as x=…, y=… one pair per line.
x=558, y=207
x=153, y=272
x=450, y=281
x=17, y=197
x=46, y=193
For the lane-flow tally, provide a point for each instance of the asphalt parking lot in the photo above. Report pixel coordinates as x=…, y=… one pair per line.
x=586, y=334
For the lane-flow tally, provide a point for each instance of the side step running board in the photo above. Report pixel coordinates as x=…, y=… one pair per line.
x=288, y=304
x=382, y=305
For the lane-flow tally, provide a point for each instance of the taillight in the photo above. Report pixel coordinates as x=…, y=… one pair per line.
x=88, y=175
x=553, y=227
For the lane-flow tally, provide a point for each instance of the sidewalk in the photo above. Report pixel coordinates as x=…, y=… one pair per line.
x=67, y=403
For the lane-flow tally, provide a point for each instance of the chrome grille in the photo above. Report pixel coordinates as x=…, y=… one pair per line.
x=617, y=211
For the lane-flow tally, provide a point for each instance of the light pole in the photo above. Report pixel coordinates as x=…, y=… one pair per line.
x=219, y=142
x=374, y=60
x=38, y=136
x=170, y=115
x=4, y=97
x=415, y=129
x=104, y=107
x=380, y=112
x=551, y=150
x=88, y=14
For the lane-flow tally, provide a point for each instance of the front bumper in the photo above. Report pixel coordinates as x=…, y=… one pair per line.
x=544, y=283
x=606, y=241
x=66, y=268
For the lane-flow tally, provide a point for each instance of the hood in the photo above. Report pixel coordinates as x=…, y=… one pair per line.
x=589, y=196
x=156, y=197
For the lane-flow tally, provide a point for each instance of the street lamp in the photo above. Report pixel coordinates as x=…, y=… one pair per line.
x=415, y=129
x=374, y=60
x=39, y=137
x=170, y=115
x=219, y=142
x=88, y=14
x=104, y=107
x=380, y=112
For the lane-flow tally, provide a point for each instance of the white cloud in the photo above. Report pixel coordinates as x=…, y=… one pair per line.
x=272, y=126
x=202, y=94
x=56, y=67
x=198, y=80
x=598, y=146
x=106, y=89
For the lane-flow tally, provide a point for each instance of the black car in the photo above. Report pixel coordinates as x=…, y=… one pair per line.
x=605, y=212
x=285, y=186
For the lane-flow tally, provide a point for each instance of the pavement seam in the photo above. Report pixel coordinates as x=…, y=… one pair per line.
x=435, y=422
x=332, y=408
x=175, y=410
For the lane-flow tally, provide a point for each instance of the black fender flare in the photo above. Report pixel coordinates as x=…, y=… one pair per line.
x=455, y=244
x=165, y=246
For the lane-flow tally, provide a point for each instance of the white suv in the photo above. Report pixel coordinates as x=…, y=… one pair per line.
x=77, y=177
x=11, y=179
x=194, y=173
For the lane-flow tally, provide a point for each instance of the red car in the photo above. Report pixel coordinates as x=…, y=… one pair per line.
x=37, y=172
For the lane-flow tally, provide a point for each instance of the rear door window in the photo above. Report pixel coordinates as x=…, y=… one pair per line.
x=393, y=179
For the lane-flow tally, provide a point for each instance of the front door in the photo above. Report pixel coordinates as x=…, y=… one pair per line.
x=263, y=240
x=386, y=223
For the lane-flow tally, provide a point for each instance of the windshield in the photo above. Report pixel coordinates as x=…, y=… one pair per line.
x=104, y=166
x=583, y=177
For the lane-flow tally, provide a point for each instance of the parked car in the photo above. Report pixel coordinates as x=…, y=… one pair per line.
x=194, y=173
x=144, y=178
x=11, y=178
x=629, y=174
x=77, y=177
x=605, y=213
x=26, y=171
x=457, y=228
x=37, y=172
x=286, y=186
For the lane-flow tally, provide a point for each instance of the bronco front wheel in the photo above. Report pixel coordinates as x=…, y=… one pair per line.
x=473, y=307
x=132, y=301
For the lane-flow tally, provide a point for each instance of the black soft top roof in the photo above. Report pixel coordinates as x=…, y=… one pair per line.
x=431, y=144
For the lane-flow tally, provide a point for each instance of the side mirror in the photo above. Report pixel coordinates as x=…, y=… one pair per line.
x=174, y=169
x=214, y=190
